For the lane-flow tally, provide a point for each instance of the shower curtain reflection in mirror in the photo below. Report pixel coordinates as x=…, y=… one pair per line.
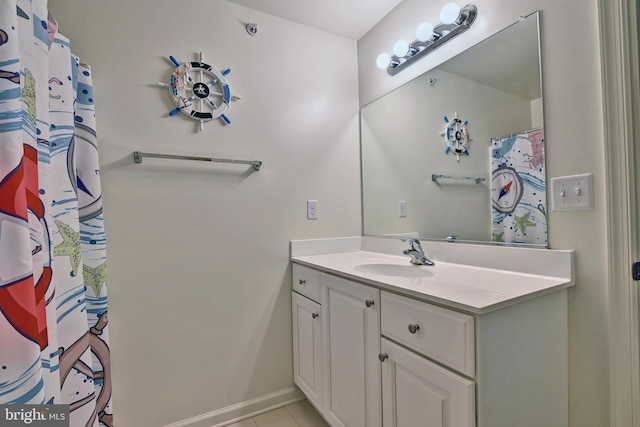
x=518, y=189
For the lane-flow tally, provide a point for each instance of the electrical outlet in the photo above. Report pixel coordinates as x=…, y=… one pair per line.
x=572, y=192
x=312, y=209
x=402, y=209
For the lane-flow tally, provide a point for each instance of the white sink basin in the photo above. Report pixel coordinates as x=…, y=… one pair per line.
x=396, y=270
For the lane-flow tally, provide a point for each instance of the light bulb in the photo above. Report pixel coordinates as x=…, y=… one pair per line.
x=401, y=48
x=424, y=31
x=449, y=13
x=383, y=60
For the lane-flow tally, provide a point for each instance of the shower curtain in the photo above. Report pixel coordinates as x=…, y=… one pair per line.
x=53, y=301
x=518, y=189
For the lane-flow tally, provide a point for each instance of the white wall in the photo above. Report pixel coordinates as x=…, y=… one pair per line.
x=199, y=280
x=574, y=135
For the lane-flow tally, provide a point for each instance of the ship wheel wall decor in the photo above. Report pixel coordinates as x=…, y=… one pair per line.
x=199, y=91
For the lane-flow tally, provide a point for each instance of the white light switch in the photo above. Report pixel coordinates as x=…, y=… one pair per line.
x=312, y=209
x=402, y=209
x=572, y=192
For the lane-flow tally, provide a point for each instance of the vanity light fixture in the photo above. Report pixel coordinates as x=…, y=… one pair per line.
x=454, y=21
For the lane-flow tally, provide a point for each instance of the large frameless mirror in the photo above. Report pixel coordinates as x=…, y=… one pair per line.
x=458, y=152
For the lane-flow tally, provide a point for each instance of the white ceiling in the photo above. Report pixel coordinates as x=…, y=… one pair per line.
x=348, y=18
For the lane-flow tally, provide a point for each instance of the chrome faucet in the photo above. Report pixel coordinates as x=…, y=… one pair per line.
x=415, y=252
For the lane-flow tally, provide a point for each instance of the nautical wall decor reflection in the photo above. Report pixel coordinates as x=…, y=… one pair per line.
x=456, y=135
x=518, y=189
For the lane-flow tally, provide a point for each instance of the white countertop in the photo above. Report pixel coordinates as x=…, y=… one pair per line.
x=474, y=289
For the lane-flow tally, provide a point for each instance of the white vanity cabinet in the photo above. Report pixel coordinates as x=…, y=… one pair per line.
x=503, y=368
x=415, y=390
x=394, y=359
x=338, y=368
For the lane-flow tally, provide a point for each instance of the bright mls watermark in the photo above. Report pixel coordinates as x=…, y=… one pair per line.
x=34, y=415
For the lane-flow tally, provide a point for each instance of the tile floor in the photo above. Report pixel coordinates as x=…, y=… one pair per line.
x=298, y=414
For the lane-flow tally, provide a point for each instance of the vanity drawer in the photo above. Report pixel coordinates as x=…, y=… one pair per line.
x=441, y=334
x=306, y=281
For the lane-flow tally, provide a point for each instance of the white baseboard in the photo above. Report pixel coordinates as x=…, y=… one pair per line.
x=243, y=410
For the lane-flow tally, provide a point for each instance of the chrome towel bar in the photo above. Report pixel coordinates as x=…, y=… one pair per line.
x=138, y=155
x=436, y=177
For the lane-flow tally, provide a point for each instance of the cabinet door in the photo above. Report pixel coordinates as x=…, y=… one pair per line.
x=352, y=342
x=419, y=393
x=307, y=348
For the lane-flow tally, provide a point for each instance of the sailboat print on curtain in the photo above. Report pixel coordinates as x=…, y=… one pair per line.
x=53, y=300
x=518, y=189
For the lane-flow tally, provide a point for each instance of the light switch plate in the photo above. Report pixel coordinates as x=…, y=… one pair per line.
x=402, y=209
x=312, y=209
x=572, y=192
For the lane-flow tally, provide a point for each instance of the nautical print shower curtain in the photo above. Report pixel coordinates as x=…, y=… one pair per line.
x=53, y=300
x=518, y=189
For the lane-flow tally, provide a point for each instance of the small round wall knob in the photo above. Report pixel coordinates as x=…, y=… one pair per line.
x=383, y=356
x=302, y=281
x=369, y=302
x=413, y=328
x=314, y=315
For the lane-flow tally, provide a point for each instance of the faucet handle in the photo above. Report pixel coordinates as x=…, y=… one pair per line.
x=414, y=243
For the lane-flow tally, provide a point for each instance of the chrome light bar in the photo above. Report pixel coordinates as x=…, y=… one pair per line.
x=442, y=33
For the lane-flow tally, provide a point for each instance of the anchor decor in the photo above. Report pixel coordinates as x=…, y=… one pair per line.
x=456, y=136
x=199, y=91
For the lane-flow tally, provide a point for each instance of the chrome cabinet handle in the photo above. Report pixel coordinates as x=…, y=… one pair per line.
x=383, y=356
x=413, y=328
x=314, y=315
x=302, y=281
x=369, y=303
